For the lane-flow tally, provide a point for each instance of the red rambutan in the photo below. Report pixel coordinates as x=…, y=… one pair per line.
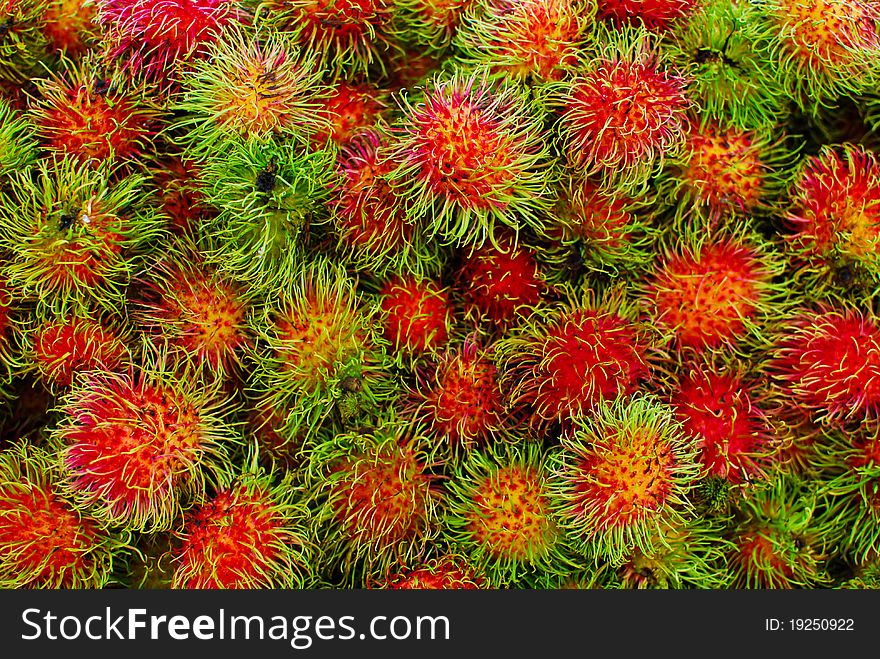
x=418, y=314
x=447, y=572
x=351, y=108
x=70, y=26
x=653, y=14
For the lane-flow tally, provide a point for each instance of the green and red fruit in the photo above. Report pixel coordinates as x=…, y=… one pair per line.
x=23, y=42
x=417, y=314
x=17, y=140
x=429, y=24
x=447, y=572
x=351, y=109
x=70, y=27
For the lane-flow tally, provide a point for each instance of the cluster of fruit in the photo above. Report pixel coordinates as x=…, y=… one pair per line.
x=439, y=293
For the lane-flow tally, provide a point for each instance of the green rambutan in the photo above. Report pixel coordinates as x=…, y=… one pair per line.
x=467, y=156
x=566, y=359
x=417, y=315
x=712, y=289
x=138, y=447
x=834, y=217
x=777, y=542
x=250, y=534
x=827, y=363
x=267, y=195
x=44, y=542
x=623, y=476
x=726, y=49
x=22, y=41
x=429, y=24
x=500, y=514
x=525, y=40
x=825, y=48
x=320, y=352
x=17, y=143
x=624, y=112
x=377, y=499
x=95, y=115
x=249, y=88
x=73, y=233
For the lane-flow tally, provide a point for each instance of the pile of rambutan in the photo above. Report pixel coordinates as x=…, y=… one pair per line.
x=439, y=294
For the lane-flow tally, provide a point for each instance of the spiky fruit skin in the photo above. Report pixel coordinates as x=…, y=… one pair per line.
x=351, y=109
x=74, y=233
x=458, y=399
x=530, y=40
x=448, y=572
x=70, y=27
x=834, y=217
x=60, y=348
x=499, y=284
x=7, y=350
x=322, y=355
x=249, y=88
x=622, y=475
x=467, y=157
x=724, y=173
x=719, y=409
x=374, y=232
x=417, y=314
x=350, y=35
x=624, y=112
x=152, y=37
x=251, y=534
x=828, y=363
x=200, y=314
x=136, y=448
x=711, y=291
x=429, y=24
x=267, y=195
x=726, y=50
x=653, y=14
x=565, y=361
x=44, y=542
x=181, y=200
x=826, y=48
x=94, y=117
x=23, y=42
x=500, y=515
x=850, y=466
x=378, y=500
x=777, y=543
x=17, y=143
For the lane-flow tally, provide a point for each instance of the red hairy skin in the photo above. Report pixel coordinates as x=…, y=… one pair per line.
x=418, y=314
x=653, y=14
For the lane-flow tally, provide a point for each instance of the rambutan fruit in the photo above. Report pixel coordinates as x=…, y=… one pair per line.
x=155, y=38
x=866, y=577
x=827, y=361
x=351, y=108
x=446, y=572
x=719, y=407
x=95, y=115
x=429, y=24
x=849, y=465
x=777, y=542
x=525, y=40
x=267, y=195
x=249, y=87
x=349, y=35
x=458, y=398
x=566, y=359
x=70, y=27
x=470, y=155
x=725, y=172
x=834, y=216
x=44, y=542
x=138, y=447
x=656, y=15
x=624, y=112
x=17, y=143
x=624, y=475
x=59, y=348
x=374, y=232
x=377, y=500
x=825, y=48
x=712, y=289
x=410, y=68
x=601, y=230
x=320, y=352
x=726, y=50
x=73, y=232
x=22, y=41
x=500, y=514
x=198, y=312
x=500, y=283
x=180, y=199
x=417, y=314
x=250, y=534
